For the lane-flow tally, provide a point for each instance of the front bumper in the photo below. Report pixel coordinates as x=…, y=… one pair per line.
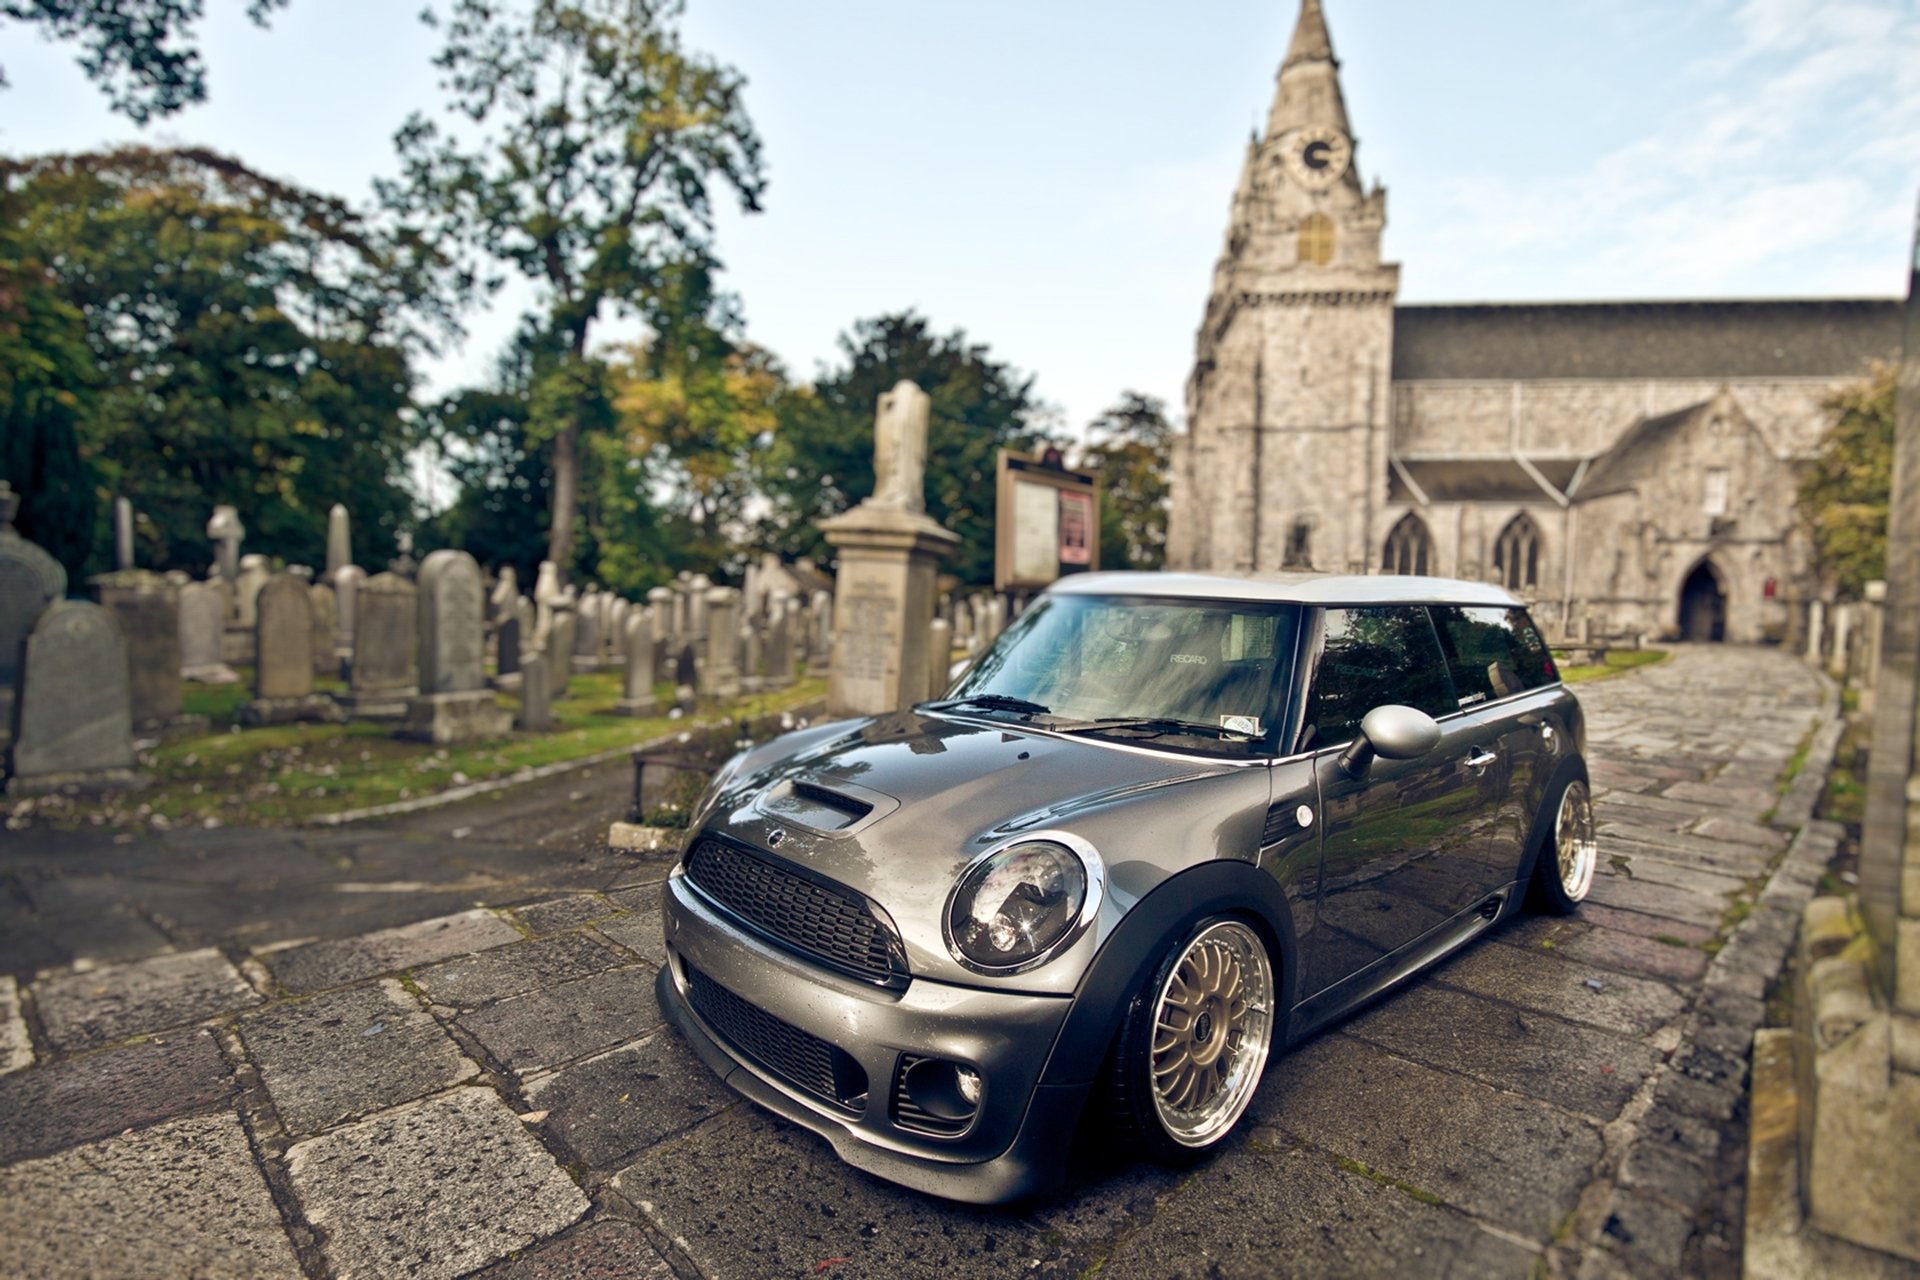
x=1018, y=1142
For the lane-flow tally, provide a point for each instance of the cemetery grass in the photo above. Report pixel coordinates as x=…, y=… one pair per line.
x=284, y=775
x=1617, y=660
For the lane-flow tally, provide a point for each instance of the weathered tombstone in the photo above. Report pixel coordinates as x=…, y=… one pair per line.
x=226, y=532
x=722, y=675
x=203, y=621
x=751, y=651
x=660, y=618
x=507, y=648
x=753, y=592
x=527, y=615
x=547, y=596
x=506, y=593
x=686, y=678
x=560, y=651
x=780, y=649
x=346, y=598
x=586, y=633
x=454, y=703
x=384, y=646
x=30, y=580
x=73, y=724
x=122, y=534
x=403, y=564
x=536, y=699
x=697, y=591
x=637, y=685
x=325, y=624
x=940, y=655
x=238, y=645
x=283, y=671
x=889, y=549
x=613, y=643
x=339, y=540
x=820, y=652
x=147, y=609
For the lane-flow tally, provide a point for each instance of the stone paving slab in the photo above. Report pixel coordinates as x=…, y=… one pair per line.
x=794, y=1208
x=1662, y=901
x=431, y=1190
x=608, y=1109
x=472, y=981
x=348, y=1053
x=1580, y=1068
x=1513, y=1161
x=1544, y=982
x=93, y=1007
x=1673, y=875
x=183, y=1198
x=16, y=1046
x=569, y=1021
x=1295, y=1212
x=604, y=1249
x=336, y=962
x=556, y=914
x=1639, y=922
x=1637, y=954
x=113, y=1090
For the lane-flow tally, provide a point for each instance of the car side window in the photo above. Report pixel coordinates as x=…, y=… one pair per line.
x=1370, y=658
x=1493, y=652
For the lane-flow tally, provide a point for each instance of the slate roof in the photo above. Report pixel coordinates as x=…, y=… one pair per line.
x=1488, y=479
x=1819, y=337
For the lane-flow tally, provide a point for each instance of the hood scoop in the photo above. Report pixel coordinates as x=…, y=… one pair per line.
x=829, y=807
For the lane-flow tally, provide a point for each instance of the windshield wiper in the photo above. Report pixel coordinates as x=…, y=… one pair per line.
x=993, y=702
x=1155, y=726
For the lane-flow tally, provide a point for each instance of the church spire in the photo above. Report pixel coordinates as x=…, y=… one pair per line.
x=1308, y=95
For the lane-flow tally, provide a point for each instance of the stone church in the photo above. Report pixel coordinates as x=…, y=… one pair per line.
x=1628, y=467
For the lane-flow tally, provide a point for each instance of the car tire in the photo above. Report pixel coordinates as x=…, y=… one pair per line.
x=1563, y=871
x=1193, y=1045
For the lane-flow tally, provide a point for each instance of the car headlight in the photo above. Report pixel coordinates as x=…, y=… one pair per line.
x=1011, y=908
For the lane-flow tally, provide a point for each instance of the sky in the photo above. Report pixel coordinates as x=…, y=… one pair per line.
x=1053, y=177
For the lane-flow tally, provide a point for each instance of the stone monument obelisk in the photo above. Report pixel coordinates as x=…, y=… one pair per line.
x=889, y=548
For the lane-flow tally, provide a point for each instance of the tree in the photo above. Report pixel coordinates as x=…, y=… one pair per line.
x=1129, y=449
x=820, y=460
x=601, y=139
x=1844, y=490
x=140, y=52
x=248, y=340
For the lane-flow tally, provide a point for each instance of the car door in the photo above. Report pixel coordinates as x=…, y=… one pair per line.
x=1397, y=841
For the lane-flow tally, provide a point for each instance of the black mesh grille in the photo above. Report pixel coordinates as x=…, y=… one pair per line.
x=836, y=925
x=908, y=1114
x=803, y=1061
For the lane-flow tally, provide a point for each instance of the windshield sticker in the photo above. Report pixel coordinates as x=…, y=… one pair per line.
x=1191, y=659
x=1472, y=698
x=1249, y=725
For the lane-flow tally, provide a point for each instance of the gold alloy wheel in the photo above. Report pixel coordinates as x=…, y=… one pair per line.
x=1574, y=846
x=1213, y=1025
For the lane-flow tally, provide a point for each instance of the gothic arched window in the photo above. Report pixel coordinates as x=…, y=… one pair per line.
x=1409, y=547
x=1316, y=239
x=1516, y=555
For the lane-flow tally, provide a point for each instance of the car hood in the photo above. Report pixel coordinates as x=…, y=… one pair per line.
x=897, y=806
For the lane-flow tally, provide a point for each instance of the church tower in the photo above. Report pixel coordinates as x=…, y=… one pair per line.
x=1284, y=464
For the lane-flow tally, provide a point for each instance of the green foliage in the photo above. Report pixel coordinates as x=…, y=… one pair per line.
x=820, y=460
x=140, y=52
x=1129, y=449
x=247, y=340
x=584, y=151
x=1844, y=490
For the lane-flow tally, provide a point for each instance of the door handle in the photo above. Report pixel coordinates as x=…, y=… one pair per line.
x=1480, y=759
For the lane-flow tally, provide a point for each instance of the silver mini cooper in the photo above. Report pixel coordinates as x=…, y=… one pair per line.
x=1167, y=825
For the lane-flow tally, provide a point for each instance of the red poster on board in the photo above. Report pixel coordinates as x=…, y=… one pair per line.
x=1076, y=528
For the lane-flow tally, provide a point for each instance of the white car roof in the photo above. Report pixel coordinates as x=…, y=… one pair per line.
x=1288, y=588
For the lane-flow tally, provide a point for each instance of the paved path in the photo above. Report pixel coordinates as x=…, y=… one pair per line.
x=431, y=1049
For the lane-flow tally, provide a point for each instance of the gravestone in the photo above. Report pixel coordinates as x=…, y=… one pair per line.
x=613, y=643
x=122, y=535
x=889, y=549
x=147, y=609
x=660, y=619
x=699, y=587
x=346, y=597
x=203, y=621
x=30, y=580
x=238, y=644
x=506, y=593
x=283, y=670
x=536, y=699
x=384, y=643
x=686, y=678
x=780, y=648
x=226, y=532
x=820, y=650
x=751, y=650
x=506, y=645
x=454, y=703
x=325, y=624
x=73, y=724
x=339, y=540
x=548, y=595
x=637, y=684
x=559, y=651
x=721, y=672
x=586, y=633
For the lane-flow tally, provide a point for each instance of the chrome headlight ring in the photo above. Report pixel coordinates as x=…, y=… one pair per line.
x=1092, y=873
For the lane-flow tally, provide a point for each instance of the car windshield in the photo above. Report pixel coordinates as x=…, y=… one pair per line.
x=1196, y=675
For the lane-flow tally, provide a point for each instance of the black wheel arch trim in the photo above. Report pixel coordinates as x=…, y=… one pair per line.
x=1572, y=769
x=1157, y=921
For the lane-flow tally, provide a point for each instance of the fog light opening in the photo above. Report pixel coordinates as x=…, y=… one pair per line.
x=969, y=1082
x=943, y=1090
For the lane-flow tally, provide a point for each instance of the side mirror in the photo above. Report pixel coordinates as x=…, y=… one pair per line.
x=1396, y=732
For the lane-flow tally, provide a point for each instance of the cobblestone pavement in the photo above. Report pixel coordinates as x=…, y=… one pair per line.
x=432, y=1049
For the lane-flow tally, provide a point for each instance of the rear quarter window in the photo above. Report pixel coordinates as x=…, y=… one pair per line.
x=1493, y=652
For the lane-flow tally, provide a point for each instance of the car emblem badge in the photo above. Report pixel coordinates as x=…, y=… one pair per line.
x=776, y=838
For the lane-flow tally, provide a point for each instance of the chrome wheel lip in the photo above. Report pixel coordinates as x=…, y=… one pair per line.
x=1246, y=982
x=1576, y=850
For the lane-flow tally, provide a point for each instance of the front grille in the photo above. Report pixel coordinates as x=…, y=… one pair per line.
x=804, y=1061
x=829, y=922
x=909, y=1114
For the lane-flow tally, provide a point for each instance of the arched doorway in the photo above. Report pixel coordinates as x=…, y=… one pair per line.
x=1703, y=605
